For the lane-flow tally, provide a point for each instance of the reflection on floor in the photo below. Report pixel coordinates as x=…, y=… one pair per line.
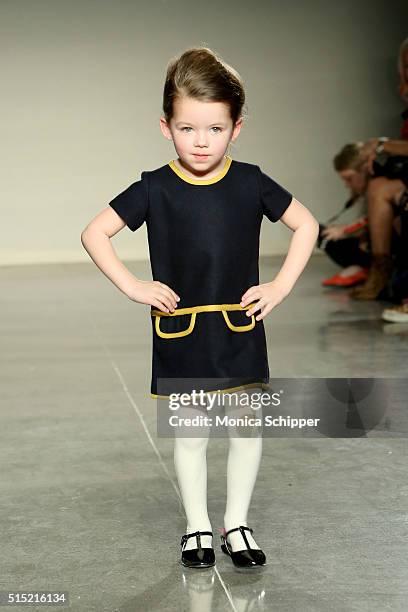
x=90, y=502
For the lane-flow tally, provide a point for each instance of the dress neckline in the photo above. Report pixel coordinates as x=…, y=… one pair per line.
x=194, y=181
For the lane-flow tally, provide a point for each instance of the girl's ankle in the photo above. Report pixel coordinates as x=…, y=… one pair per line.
x=234, y=523
x=203, y=527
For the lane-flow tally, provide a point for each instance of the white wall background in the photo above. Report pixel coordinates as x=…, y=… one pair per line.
x=81, y=100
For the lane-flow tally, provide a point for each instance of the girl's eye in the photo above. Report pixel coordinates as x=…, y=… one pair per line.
x=189, y=128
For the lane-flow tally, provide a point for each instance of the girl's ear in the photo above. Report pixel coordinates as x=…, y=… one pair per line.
x=237, y=128
x=164, y=126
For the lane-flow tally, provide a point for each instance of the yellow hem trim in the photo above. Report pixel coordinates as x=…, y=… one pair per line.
x=193, y=310
x=194, y=181
x=248, y=386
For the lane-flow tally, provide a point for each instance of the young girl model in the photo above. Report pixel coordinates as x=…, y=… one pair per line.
x=203, y=212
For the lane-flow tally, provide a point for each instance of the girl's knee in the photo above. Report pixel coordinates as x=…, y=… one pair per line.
x=252, y=441
x=191, y=444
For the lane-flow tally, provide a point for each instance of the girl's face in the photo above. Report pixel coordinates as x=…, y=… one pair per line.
x=201, y=132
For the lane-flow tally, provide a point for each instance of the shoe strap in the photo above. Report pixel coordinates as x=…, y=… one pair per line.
x=197, y=534
x=241, y=529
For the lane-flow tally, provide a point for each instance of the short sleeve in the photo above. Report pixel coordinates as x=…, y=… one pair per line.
x=132, y=203
x=275, y=199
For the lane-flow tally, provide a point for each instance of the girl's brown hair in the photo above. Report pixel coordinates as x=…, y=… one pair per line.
x=350, y=157
x=201, y=74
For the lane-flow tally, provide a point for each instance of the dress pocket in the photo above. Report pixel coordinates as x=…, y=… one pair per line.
x=175, y=324
x=183, y=321
x=239, y=328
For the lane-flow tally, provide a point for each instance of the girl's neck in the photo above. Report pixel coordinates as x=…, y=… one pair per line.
x=205, y=174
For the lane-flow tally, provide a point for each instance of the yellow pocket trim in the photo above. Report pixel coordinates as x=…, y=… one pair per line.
x=239, y=328
x=193, y=310
x=185, y=332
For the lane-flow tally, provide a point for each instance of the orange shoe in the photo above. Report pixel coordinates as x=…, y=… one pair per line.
x=346, y=281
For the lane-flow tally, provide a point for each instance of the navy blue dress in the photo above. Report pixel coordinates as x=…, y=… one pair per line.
x=203, y=240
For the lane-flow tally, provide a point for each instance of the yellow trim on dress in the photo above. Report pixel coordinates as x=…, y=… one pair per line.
x=262, y=385
x=193, y=310
x=209, y=181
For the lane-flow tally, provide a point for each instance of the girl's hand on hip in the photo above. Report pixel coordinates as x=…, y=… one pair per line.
x=269, y=295
x=154, y=293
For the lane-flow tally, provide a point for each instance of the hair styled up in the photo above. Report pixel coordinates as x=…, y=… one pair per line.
x=350, y=157
x=201, y=74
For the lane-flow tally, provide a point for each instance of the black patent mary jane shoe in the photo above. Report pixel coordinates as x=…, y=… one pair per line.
x=197, y=557
x=248, y=557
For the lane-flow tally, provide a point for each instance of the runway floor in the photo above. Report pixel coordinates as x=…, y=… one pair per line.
x=89, y=498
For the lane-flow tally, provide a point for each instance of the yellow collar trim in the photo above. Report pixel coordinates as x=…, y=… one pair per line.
x=209, y=181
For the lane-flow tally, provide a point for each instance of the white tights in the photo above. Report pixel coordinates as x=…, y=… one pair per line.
x=190, y=462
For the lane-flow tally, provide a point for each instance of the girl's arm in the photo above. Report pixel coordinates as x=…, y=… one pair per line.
x=95, y=239
x=306, y=230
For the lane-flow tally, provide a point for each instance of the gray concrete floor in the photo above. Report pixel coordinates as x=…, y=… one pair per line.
x=89, y=498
